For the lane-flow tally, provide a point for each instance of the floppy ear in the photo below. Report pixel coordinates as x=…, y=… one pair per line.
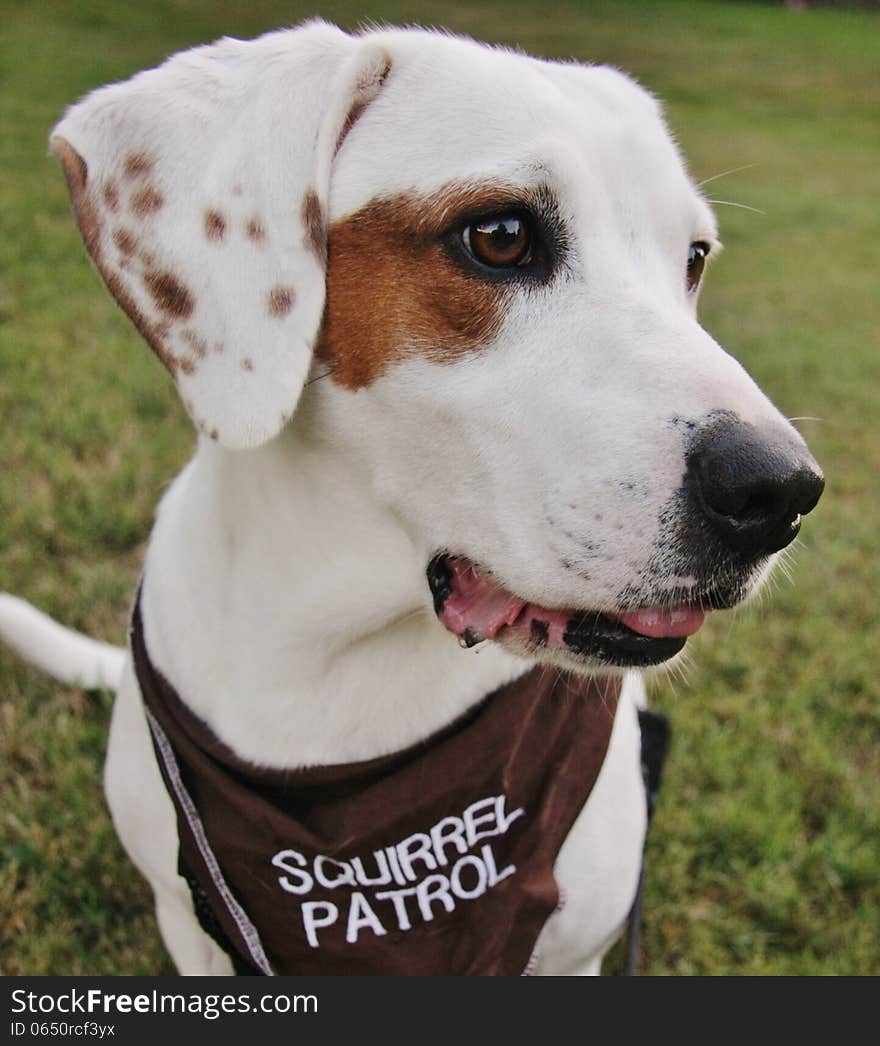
x=200, y=190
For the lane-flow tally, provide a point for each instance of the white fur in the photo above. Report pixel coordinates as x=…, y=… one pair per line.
x=72, y=658
x=249, y=128
x=285, y=594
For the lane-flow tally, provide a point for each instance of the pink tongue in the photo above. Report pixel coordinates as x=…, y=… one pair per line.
x=479, y=607
x=662, y=622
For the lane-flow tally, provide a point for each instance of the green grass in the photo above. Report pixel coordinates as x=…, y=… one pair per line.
x=763, y=856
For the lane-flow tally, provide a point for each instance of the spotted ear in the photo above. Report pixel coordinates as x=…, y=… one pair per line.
x=200, y=189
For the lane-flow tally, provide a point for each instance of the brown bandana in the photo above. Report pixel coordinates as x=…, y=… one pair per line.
x=435, y=860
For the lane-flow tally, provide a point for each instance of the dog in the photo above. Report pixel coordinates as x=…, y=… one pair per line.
x=467, y=466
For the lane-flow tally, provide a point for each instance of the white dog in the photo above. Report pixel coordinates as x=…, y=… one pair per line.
x=432, y=308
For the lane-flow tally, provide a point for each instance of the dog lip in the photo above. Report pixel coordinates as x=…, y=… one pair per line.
x=440, y=580
x=607, y=639
x=474, y=607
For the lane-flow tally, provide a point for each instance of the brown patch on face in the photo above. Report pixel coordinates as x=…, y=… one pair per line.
x=312, y=214
x=394, y=291
x=247, y=363
x=187, y=366
x=255, y=230
x=125, y=241
x=215, y=225
x=281, y=300
x=170, y=294
x=111, y=196
x=137, y=165
x=145, y=201
x=76, y=173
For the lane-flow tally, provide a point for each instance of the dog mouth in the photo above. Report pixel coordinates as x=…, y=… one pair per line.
x=474, y=606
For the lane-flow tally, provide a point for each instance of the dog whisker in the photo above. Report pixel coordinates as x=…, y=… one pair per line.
x=724, y=174
x=674, y=673
x=742, y=206
x=318, y=377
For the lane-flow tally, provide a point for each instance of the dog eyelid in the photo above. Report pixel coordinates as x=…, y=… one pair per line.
x=507, y=235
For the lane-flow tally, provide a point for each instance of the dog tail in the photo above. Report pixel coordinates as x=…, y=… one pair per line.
x=69, y=656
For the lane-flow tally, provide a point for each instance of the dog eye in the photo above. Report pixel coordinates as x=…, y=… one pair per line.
x=501, y=241
x=697, y=256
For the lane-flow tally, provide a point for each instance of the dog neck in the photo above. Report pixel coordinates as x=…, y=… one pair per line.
x=292, y=613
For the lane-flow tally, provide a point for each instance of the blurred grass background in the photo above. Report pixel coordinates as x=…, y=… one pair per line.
x=763, y=858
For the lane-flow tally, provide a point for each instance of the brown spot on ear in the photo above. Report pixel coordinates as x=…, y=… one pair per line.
x=76, y=173
x=281, y=300
x=353, y=114
x=75, y=168
x=170, y=294
x=196, y=342
x=312, y=214
x=137, y=164
x=247, y=363
x=145, y=201
x=125, y=241
x=215, y=225
x=394, y=289
x=188, y=366
x=255, y=230
x=111, y=196
x=364, y=92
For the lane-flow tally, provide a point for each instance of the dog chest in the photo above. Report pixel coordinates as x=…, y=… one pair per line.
x=435, y=860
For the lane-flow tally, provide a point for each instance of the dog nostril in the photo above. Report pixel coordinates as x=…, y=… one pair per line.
x=752, y=489
x=760, y=519
x=741, y=504
x=810, y=492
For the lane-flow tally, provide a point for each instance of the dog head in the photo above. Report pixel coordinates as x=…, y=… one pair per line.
x=505, y=323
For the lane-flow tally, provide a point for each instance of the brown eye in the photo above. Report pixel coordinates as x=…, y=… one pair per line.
x=697, y=255
x=501, y=242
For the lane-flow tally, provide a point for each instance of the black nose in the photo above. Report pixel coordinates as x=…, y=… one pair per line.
x=752, y=486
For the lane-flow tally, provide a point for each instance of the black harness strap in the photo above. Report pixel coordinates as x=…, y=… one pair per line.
x=656, y=731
